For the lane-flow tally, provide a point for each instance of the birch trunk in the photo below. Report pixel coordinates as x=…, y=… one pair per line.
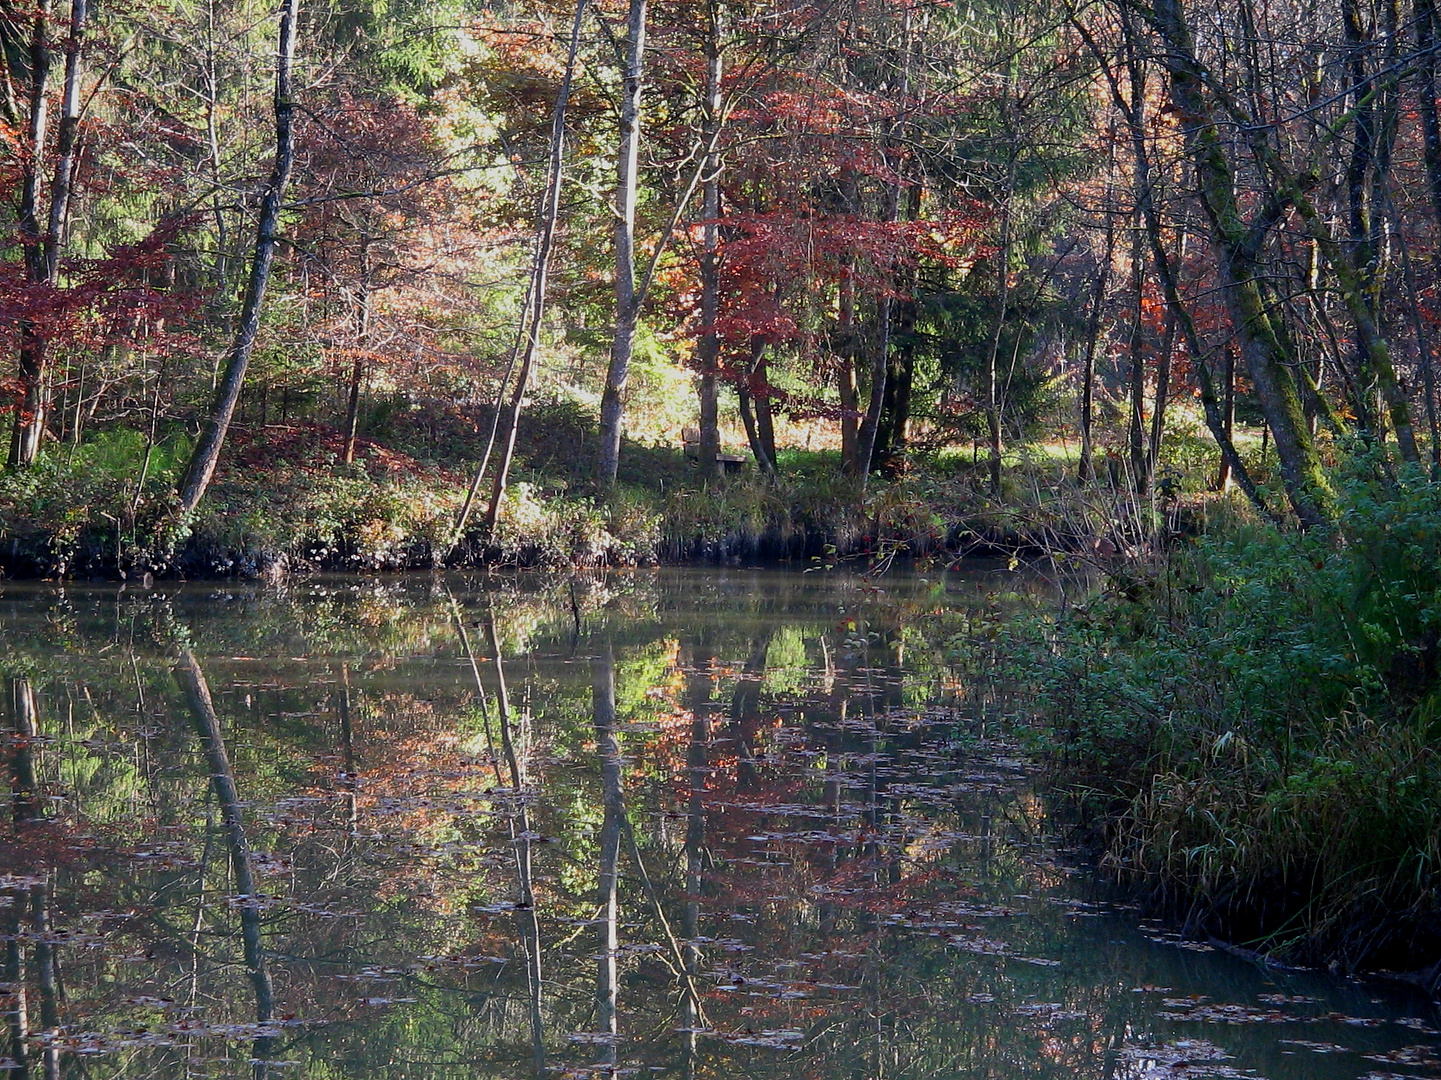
x=207, y=451
x=708, y=348
x=540, y=274
x=612, y=402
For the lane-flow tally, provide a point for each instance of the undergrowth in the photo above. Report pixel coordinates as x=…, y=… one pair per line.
x=283, y=501
x=1249, y=723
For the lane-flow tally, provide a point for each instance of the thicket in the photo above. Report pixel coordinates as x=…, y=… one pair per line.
x=1247, y=723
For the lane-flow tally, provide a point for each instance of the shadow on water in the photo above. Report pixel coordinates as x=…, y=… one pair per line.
x=689, y=824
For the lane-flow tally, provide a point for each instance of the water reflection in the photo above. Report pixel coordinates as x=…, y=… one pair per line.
x=607, y=990
x=246, y=897
x=682, y=824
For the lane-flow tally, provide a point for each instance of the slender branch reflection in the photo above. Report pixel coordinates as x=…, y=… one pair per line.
x=521, y=837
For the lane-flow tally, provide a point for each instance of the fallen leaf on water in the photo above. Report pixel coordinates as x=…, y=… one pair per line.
x=1417, y=1025
x=780, y=1039
x=1316, y=1047
x=1182, y=1009
x=1412, y=1056
x=1190, y=1058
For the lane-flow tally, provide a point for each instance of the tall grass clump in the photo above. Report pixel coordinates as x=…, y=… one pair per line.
x=1249, y=721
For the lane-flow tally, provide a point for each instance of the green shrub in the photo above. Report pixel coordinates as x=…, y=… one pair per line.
x=104, y=504
x=332, y=516
x=1251, y=720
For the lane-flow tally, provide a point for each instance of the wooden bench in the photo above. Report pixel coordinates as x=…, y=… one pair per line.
x=729, y=463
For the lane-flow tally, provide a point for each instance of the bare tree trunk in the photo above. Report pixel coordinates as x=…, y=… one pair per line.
x=846, y=375
x=357, y=370
x=218, y=199
x=1235, y=242
x=1136, y=348
x=1425, y=21
x=1380, y=371
x=1163, y=384
x=1087, y=468
x=880, y=372
x=1142, y=180
x=880, y=367
x=1228, y=415
x=352, y=409
x=748, y=422
x=1361, y=269
x=540, y=274
x=1424, y=358
x=612, y=402
x=708, y=348
x=885, y=303
x=993, y=390
x=207, y=450
x=762, y=447
x=1200, y=357
x=29, y=415
x=889, y=455
x=1426, y=24
x=42, y=253
x=67, y=139
x=765, y=419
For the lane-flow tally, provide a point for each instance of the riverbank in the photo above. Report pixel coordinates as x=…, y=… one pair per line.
x=1241, y=721
x=284, y=504
x=1243, y=727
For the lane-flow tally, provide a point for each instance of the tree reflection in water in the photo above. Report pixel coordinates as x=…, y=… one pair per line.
x=732, y=825
x=246, y=896
x=608, y=873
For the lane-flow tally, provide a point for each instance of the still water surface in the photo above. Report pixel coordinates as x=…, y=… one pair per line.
x=698, y=823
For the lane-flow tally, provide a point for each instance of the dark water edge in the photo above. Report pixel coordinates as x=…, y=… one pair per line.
x=97, y=557
x=753, y=823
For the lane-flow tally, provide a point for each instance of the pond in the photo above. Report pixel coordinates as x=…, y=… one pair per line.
x=673, y=823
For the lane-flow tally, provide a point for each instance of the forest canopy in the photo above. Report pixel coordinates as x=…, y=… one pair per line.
x=374, y=264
